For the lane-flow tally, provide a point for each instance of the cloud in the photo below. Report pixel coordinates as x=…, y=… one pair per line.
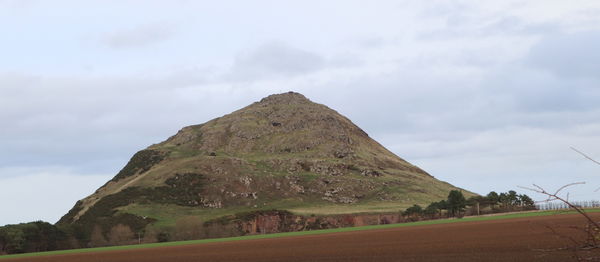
x=470, y=91
x=18, y=4
x=507, y=157
x=275, y=59
x=528, y=89
x=96, y=122
x=140, y=36
x=45, y=193
x=568, y=55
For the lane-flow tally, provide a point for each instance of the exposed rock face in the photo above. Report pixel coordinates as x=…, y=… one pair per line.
x=276, y=221
x=282, y=150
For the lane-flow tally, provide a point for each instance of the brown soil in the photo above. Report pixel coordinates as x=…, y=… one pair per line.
x=519, y=239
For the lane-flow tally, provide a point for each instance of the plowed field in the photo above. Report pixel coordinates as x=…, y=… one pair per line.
x=520, y=239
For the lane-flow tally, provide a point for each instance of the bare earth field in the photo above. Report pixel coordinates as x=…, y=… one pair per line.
x=519, y=239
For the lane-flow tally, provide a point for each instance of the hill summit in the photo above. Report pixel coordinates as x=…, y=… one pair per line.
x=283, y=152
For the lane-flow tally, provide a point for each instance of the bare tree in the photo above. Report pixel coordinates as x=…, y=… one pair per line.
x=97, y=238
x=121, y=235
x=150, y=234
x=592, y=229
x=188, y=228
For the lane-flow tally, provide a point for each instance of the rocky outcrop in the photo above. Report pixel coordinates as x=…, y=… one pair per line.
x=284, y=151
x=276, y=221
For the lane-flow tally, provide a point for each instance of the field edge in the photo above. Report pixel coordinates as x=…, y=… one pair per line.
x=301, y=233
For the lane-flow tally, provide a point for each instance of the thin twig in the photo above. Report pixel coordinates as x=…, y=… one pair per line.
x=530, y=189
x=593, y=225
x=589, y=158
x=584, y=155
x=567, y=185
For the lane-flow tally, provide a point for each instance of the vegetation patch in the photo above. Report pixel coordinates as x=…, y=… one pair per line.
x=104, y=215
x=182, y=189
x=247, y=216
x=141, y=162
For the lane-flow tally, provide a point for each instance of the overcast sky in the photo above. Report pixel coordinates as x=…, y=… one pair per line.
x=486, y=95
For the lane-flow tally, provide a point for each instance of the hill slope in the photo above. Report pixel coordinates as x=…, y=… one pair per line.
x=284, y=152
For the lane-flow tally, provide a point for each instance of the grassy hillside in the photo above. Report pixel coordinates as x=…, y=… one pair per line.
x=283, y=152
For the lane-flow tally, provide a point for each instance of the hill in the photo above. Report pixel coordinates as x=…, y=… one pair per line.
x=283, y=152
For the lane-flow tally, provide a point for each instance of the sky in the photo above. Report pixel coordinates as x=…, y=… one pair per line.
x=486, y=95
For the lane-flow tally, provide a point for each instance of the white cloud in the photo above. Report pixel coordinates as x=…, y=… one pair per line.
x=568, y=55
x=504, y=159
x=140, y=36
x=461, y=88
x=47, y=193
x=17, y=4
x=274, y=60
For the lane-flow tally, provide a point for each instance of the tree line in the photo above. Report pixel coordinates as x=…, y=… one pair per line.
x=456, y=205
x=32, y=237
x=42, y=236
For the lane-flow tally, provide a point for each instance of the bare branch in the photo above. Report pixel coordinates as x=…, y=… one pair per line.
x=584, y=155
x=568, y=185
x=555, y=196
x=592, y=228
x=540, y=188
x=546, y=200
x=530, y=189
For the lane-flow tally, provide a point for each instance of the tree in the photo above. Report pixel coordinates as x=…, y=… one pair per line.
x=442, y=205
x=15, y=240
x=188, y=228
x=162, y=237
x=97, y=239
x=413, y=210
x=493, y=197
x=526, y=201
x=150, y=234
x=432, y=209
x=477, y=202
x=3, y=241
x=456, y=202
x=503, y=199
x=121, y=235
x=32, y=237
x=512, y=198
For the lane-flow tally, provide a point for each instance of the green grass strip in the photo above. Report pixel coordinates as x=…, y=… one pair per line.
x=299, y=233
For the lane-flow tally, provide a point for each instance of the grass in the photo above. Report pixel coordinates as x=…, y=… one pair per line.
x=367, y=207
x=166, y=215
x=301, y=233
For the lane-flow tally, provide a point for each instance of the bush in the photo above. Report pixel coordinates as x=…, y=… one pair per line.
x=414, y=210
x=162, y=237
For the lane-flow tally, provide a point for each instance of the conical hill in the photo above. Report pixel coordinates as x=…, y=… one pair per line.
x=283, y=152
